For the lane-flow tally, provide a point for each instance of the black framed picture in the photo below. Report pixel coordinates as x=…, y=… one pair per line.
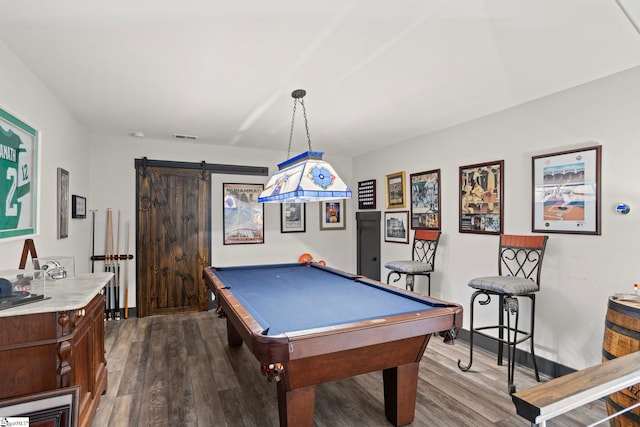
x=396, y=226
x=78, y=207
x=293, y=217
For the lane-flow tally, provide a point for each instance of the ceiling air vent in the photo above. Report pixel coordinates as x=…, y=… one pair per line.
x=181, y=136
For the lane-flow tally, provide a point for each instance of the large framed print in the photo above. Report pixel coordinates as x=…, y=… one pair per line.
x=63, y=203
x=425, y=200
x=395, y=190
x=333, y=215
x=19, y=145
x=243, y=220
x=293, y=217
x=396, y=226
x=481, y=202
x=566, y=191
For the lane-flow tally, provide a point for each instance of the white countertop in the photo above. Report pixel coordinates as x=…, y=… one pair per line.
x=65, y=294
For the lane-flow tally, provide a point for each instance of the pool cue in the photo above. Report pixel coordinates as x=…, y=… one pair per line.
x=93, y=239
x=126, y=274
x=117, y=273
x=108, y=260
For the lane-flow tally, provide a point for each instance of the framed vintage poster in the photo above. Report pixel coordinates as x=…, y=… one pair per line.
x=396, y=226
x=481, y=203
x=567, y=192
x=243, y=215
x=63, y=203
x=19, y=145
x=293, y=217
x=395, y=190
x=333, y=215
x=425, y=200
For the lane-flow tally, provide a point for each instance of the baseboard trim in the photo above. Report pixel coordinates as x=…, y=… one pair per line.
x=523, y=358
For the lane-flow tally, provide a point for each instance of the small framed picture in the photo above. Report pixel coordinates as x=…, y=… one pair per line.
x=396, y=226
x=481, y=204
x=395, y=190
x=78, y=207
x=333, y=215
x=566, y=192
x=293, y=217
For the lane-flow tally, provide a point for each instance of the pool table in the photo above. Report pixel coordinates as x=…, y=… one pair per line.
x=308, y=324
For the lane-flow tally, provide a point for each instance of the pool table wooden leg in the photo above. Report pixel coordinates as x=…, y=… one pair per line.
x=297, y=406
x=400, y=390
x=233, y=337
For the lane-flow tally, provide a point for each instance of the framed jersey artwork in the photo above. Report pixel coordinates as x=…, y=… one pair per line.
x=18, y=180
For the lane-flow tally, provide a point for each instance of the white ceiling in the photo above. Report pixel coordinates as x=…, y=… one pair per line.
x=376, y=72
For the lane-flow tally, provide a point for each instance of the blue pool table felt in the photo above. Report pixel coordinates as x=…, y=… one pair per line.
x=293, y=297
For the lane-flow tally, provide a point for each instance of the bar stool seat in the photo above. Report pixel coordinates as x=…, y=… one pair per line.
x=505, y=285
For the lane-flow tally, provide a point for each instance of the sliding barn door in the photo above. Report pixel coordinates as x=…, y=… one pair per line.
x=173, y=239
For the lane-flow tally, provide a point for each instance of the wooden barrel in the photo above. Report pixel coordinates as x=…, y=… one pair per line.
x=621, y=337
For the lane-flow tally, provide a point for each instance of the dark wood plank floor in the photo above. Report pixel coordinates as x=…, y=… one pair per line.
x=178, y=371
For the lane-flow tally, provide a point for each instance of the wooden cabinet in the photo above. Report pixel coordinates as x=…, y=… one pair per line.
x=45, y=351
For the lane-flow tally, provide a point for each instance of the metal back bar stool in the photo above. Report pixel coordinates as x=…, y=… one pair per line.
x=423, y=258
x=519, y=267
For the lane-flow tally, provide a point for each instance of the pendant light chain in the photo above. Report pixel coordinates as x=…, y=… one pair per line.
x=306, y=123
x=293, y=119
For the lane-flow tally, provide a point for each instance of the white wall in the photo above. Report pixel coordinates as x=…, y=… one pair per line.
x=113, y=186
x=64, y=143
x=580, y=272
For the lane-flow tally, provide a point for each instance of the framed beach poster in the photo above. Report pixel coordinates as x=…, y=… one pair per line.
x=567, y=192
x=19, y=144
x=243, y=216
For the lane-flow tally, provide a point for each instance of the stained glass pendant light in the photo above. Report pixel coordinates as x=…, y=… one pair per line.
x=305, y=177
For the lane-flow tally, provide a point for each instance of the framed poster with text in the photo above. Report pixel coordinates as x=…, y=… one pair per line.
x=566, y=192
x=243, y=215
x=19, y=146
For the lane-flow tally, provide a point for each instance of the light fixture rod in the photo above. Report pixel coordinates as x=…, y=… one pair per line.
x=299, y=94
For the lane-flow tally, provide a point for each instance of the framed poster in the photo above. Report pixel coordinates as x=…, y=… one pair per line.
x=19, y=149
x=242, y=214
x=78, y=207
x=425, y=200
x=396, y=226
x=395, y=190
x=566, y=192
x=293, y=217
x=63, y=203
x=481, y=204
x=332, y=215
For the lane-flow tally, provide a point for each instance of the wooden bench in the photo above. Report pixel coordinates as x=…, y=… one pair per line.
x=548, y=400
